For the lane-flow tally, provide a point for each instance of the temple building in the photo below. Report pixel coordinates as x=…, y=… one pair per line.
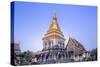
x=55, y=50
x=15, y=51
x=74, y=48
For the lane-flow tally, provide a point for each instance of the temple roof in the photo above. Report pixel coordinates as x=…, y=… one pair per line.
x=76, y=43
x=54, y=30
x=54, y=25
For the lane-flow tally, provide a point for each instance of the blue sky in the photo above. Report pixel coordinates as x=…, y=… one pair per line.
x=32, y=21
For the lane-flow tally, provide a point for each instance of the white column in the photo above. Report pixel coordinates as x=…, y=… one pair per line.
x=43, y=44
x=47, y=45
x=51, y=43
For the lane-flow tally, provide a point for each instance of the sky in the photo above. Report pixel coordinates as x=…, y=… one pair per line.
x=32, y=20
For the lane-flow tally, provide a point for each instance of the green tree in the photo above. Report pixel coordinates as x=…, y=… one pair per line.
x=28, y=55
x=26, y=58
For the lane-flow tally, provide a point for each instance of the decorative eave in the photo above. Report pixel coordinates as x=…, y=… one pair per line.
x=54, y=35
